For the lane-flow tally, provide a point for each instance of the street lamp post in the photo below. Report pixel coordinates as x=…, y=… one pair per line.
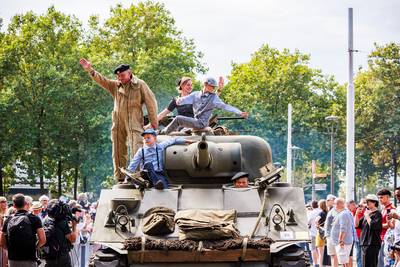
x=333, y=120
x=295, y=149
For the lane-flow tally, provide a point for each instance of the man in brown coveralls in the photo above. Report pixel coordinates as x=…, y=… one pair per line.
x=129, y=94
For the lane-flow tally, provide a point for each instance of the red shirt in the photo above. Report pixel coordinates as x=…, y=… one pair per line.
x=359, y=216
x=384, y=217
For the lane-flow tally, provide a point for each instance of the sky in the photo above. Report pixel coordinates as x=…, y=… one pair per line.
x=227, y=31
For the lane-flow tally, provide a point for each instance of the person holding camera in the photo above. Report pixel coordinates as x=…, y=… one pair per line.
x=371, y=228
x=61, y=234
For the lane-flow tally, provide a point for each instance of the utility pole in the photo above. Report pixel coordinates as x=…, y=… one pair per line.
x=350, y=118
x=314, y=174
x=289, y=147
x=333, y=120
x=362, y=186
x=295, y=155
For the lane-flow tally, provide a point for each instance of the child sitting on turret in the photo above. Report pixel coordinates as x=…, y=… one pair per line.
x=151, y=157
x=203, y=102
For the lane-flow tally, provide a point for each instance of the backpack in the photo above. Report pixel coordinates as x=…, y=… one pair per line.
x=19, y=232
x=52, y=248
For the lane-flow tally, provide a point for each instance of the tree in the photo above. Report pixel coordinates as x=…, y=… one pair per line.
x=269, y=82
x=144, y=36
x=49, y=90
x=56, y=121
x=378, y=114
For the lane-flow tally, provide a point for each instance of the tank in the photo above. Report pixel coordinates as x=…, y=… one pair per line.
x=270, y=215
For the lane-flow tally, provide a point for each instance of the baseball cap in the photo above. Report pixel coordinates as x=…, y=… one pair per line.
x=149, y=131
x=211, y=81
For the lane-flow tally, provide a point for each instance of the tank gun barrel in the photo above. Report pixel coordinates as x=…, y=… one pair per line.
x=203, y=158
x=230, y=118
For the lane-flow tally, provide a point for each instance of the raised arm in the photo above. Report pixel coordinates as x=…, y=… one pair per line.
x=151, y=104
x=375, y=222
x=221, y=105
x=110, y=85
x=357, y=217
x=72, y=234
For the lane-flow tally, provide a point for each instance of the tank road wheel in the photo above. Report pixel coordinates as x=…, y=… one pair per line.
x=293, y=256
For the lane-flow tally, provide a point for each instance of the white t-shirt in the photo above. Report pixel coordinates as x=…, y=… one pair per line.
x=311, y=221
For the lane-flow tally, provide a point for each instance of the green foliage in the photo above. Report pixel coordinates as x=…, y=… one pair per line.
x=53, y=107
x=272, y=79
x=268, y=83
x=145, y=36
x=53, y=113
x=378, y=115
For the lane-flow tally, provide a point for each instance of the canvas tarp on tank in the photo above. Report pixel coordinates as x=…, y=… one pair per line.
x=206, y=224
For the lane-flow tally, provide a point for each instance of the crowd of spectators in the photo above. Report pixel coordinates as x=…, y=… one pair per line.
x=76, y=232
x=365, y=234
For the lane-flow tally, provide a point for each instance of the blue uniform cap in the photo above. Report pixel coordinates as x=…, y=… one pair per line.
x=149, y=131
x=211, y=81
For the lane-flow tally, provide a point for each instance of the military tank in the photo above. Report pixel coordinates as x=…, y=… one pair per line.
x=269, y=215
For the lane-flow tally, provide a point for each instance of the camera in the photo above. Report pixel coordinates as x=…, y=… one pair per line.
x=395, y=247
x=60, y=211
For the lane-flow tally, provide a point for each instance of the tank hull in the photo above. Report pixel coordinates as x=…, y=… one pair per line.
x=276, y=210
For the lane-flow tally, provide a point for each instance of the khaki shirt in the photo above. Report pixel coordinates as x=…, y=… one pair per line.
x=129, y=99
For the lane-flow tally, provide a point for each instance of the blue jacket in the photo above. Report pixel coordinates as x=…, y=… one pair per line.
x=153, y=154
x=204, y=103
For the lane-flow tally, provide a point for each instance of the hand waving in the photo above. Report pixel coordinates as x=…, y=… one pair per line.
x=244, y=115
x=221, y=83
x=86, y=65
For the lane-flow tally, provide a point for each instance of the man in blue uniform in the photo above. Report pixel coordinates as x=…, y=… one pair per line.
x=151, y=157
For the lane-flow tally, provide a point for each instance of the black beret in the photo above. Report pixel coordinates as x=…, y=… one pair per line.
x=239, y=175
x=121, y=68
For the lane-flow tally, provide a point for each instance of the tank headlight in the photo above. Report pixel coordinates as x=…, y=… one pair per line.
x=123, y=220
